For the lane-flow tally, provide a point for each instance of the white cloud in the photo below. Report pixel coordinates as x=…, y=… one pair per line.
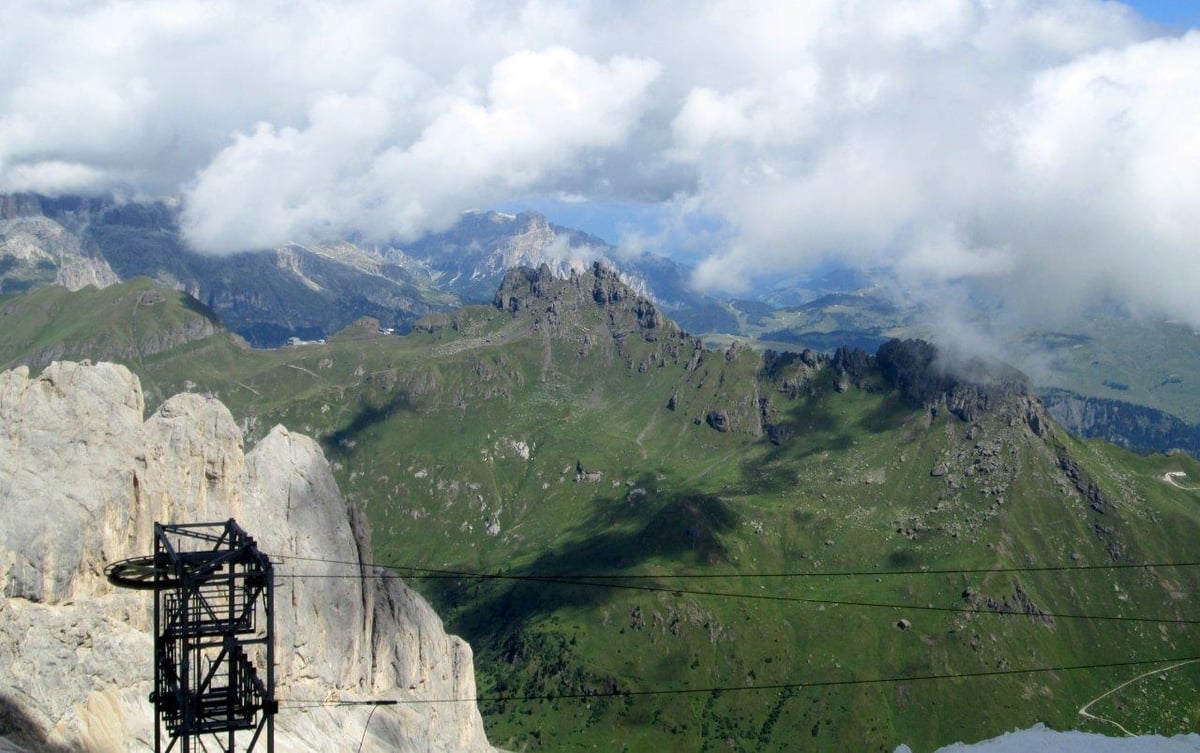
x=357, y=165
x=52, y=176
x=1064, y=175
x=1043, y=151
x=1110, y=172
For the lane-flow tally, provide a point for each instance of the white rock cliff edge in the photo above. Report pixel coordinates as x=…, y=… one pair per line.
x=82, y=480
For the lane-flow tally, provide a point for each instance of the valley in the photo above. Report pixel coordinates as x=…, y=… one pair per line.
x=651, y=543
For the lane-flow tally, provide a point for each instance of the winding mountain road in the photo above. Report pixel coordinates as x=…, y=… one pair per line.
x=1083, y=710
x=1173, y=477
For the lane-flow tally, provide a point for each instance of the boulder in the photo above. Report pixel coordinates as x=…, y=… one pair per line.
x=718, y=419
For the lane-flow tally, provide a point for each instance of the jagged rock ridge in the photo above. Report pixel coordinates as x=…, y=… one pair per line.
x=913, y=368
x=541, y=290
x=82, y=478
x=596, y=310
x=968, y=388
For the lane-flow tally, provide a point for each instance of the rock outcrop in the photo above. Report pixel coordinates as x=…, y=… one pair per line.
x=969, y=388
x=595, y=311
x=82, y=479
x=542, y=290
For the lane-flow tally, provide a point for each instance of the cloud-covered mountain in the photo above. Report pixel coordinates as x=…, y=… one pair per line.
x=307, y=291
x=1041, y=152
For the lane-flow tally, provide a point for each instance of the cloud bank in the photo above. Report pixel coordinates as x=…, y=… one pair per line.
x=1041, y=153
x=351, y=168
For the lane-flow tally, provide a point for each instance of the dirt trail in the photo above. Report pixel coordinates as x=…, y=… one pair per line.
x=1173, y=477
x=1083, y=710
x=461, y=344
x=306, y=371
x=458, y=346
x=642, y=433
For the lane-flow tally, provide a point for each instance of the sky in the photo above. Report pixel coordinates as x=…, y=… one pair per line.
x=1040, y=154
x=1181, y=14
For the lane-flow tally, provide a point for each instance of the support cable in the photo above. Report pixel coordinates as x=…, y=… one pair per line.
x=440, y=573
x=587, y=581
x=584, y=695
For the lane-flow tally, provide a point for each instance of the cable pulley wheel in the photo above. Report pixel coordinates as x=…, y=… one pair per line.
x=141, y=573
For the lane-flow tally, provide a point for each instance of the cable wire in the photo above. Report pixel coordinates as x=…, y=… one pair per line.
x=597, y=581
x=363, y=739
x=311, y=703
x=572, y=581
x=436, y=573
x=774, y=686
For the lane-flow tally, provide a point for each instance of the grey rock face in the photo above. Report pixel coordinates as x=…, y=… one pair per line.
x=82, y=480
x=45, y=249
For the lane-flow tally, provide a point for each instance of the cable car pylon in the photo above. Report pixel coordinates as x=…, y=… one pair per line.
x=214, y=617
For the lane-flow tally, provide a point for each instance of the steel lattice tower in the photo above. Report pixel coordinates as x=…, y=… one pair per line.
x=214, y=605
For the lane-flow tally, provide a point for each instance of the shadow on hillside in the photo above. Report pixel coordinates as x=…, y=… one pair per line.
x=618, y=536
x=196, y=307
x=17, y=727
x=367, y=417
x=808, y=430
x=892, y=413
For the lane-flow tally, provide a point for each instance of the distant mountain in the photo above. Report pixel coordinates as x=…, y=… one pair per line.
x=471, y=258
x=305, y=291
x=265, y=296
x=1134, y=427
x=36, y=250
x=311, y=291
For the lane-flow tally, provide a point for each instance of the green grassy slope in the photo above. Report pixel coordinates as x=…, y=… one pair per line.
x=124, y=322
x=576, y=432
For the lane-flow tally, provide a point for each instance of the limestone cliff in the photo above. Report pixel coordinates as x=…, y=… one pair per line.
x=82, y=479
x=36, y=250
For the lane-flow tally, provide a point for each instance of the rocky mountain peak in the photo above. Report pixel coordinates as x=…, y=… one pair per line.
x=597, y=314
x=523, y=286
x=36, y=250
x=84, y=478
x=541, y=290
x=968, y=386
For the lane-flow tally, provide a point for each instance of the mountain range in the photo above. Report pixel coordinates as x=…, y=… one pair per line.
x=303, y=291
x=1104, y=378
x=652, y=543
